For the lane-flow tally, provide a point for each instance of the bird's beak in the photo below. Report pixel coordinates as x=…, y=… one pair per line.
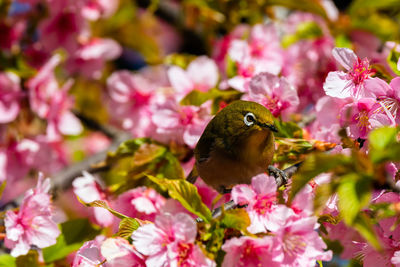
x=269, y=126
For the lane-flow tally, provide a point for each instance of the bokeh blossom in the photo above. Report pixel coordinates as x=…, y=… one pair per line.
x=32, y=224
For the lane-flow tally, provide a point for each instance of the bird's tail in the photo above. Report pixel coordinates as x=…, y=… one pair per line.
x=192, y=177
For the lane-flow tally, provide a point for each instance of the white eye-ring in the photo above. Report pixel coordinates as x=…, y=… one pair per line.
x=249, y=119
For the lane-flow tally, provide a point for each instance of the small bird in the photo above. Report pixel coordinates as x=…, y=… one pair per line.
x=237, y=144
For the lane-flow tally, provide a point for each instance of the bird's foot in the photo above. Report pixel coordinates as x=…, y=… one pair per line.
x=280, y=176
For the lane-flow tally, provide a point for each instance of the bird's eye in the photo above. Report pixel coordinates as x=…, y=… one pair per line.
x=249, y=119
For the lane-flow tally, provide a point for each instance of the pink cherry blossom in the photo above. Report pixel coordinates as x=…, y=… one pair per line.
x=32, y=224
x=264, y=211
x=42, y=87
x=351, y=83
x=327, y=124
x=249, y=252
x=10, y=93
x=118, y=252
x=64, y=26
x=53, y=103
x=388, y=98
x=182, y=124
x=60, y=120
x=361, y=117
x=307, y=63
x=141, y=202
x=89, y=254
x=88, y=190
x=89, y=59
x=297, y=243
x=201, y=74
x=274, y=93
x=260, y=53
x=131, y=96
x=95, y=9
x=170, y=242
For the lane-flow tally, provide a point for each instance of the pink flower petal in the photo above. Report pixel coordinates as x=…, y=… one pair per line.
x=345, y=56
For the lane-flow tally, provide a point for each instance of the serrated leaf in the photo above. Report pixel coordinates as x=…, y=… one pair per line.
x=186, y=193
x=315, y=164
x=127, y=226
x=236, y=219
x=104, y=205
x=354, y=194
x=6, y=260
x=365, y=227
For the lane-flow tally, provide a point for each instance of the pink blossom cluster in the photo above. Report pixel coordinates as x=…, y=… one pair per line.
x=339, y=87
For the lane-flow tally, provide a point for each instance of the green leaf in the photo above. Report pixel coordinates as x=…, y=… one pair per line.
x=288, y=129
x=236, y=219
x=6, y=260
x=376, y=23
x=305, y=30
x=384, y=145
x=127, y=226
x=354, y=194
x=315, y=164
x=196, y=97
x=365, y=227
x=73, y=234
x=322, y=195
x=392, y=59
x=186, y=193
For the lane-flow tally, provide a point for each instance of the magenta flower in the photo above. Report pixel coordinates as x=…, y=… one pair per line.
x=361, y=117
x=130, y=98
x=89, y=59
x=387, y=98
x=297, y=243
x=170, y=242
x=201, y=74
x=264, y=211
x=274, y=93
x=351, y=83
x=260, y=53
x=141, y=202
x=89, y=254
x=88, y=190
x=32, y=224
x=64, y=26
x=249, y=252
x=10, y=93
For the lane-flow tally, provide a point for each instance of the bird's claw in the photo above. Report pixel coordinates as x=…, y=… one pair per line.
x=280, y=176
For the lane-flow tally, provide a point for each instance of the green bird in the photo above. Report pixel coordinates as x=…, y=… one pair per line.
x=237, y=144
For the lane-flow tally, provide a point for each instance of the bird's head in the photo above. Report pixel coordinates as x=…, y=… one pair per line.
x=241, y=118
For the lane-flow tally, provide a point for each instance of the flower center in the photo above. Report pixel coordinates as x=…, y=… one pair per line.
x=362, y=119
x=293, y=244
x=389, y=106
x=361, y=71
x=264, y=203
x=184, y=250
x=186, y=116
